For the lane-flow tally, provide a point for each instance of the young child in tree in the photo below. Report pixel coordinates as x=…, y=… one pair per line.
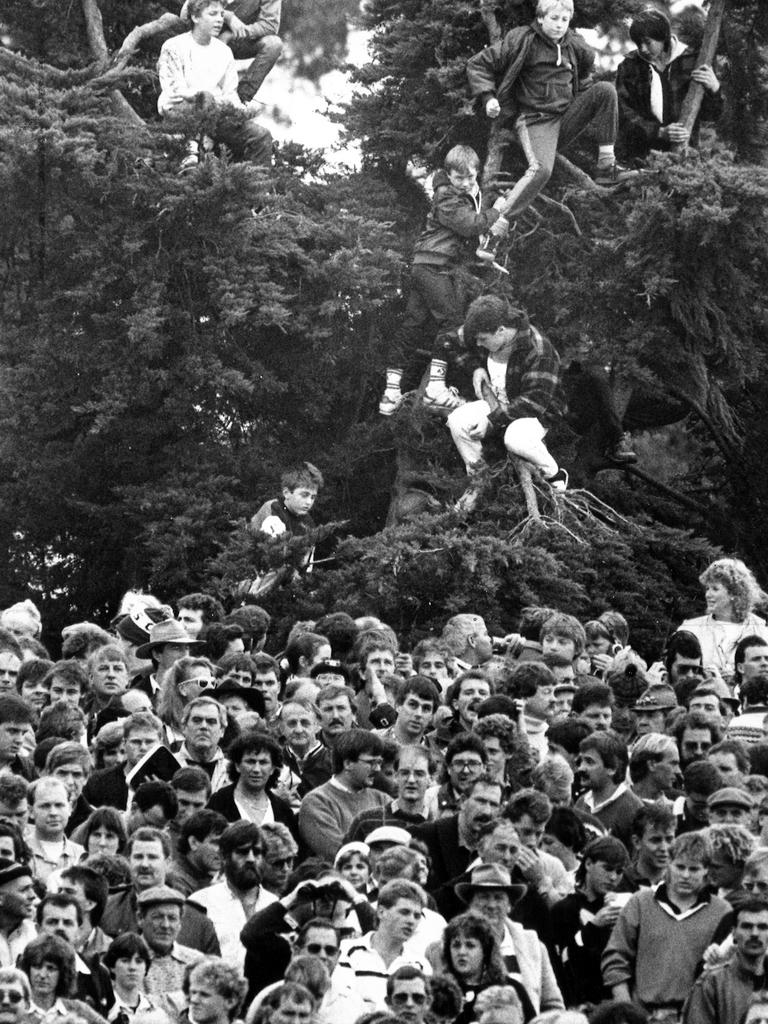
x=438, y=288
x=537, y=78
x=290, y=514
x=652, y=83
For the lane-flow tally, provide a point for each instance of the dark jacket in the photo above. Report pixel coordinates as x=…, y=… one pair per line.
x=314, y=770
x=95, y=988
x=638, y=128
x=519, y=71
x=223, y=801
x=532, y=381
x=455, y=218
x=80, y=814
x=448, y=858
x=196, y=930
x=107, y=788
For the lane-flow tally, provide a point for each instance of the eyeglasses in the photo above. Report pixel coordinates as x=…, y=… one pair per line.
x=10, y=996
x=203, y=682
x=254, y=848
x=401, y=998
x=373, y=762
x=316, y=948
x=466, y=766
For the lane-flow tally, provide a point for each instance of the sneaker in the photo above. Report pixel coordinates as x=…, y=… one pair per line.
x=390, y=402
x=189, y=163
x=446, y=401
x=614, y=174
x=558, y=482
x=620, y=452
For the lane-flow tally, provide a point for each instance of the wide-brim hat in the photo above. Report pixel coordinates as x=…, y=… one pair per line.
x=169, y=631
x=489, y=876
x=253, y=698
x=650, y=702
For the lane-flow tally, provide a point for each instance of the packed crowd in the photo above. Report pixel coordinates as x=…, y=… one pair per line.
x=540, y=826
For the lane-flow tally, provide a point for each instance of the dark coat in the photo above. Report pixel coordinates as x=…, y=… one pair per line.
x=223, y=801
x=196, y=930
x=107, y=788
x=448, y=858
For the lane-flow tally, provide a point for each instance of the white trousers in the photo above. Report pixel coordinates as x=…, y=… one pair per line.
x=524, y=437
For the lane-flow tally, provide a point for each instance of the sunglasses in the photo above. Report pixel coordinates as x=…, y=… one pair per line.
x=12, y=997
x=316, y=948
x=243, y=851
x=203, y=683
x=401, y=998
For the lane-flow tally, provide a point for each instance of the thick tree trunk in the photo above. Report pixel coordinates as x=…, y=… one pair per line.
x=94, y=27
x=693, y=98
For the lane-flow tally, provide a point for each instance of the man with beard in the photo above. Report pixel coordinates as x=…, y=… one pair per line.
x=327, y=812
x=233, y=901
x=365, y=963
x=723, y=992
x=695, y=734
x=452, y=841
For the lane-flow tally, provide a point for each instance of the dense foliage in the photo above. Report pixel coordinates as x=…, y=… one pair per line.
x=169, y=343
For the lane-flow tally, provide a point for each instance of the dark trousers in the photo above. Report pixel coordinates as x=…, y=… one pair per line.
x=435, y=310
x=246, y=138
x=263, y=52
x=594, y=111
x=590, y=402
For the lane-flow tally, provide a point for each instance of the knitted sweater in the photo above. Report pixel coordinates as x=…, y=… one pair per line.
x=186, y=67
x=327, y=812
x=655, y=949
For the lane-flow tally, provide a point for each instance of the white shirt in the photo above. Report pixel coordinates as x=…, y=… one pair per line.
x=362, y=968
x=227, y=915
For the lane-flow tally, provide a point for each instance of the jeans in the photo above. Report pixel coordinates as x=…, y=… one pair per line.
x=523, y=438
x=595, y=110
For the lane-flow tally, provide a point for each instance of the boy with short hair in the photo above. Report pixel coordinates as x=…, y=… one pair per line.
x=537, y=78
x=438, y=286
x=290, y=514
x=198, y=74
x=661, y=934
x=562, y=638
x=652, y=83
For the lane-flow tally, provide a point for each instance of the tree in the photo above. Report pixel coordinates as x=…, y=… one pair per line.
x=170, y=343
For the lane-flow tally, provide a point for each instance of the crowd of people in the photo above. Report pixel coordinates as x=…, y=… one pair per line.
x=540, y=826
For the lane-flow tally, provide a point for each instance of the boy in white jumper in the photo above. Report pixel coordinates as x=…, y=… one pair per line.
x=197, y=72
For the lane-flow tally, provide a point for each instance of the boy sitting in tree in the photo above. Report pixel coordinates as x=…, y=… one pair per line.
x=537, y=79
x=652, y=83
x=438, y=280
x=518, y=392
x=198, y=74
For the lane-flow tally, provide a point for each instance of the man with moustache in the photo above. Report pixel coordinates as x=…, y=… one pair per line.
x=233, y=901
x=452, y=841
x=723, y=992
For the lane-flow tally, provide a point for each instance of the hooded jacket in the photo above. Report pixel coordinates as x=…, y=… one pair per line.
x=529, y=73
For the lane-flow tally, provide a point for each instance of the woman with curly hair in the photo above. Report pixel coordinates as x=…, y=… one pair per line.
x=472, y=956
x=255, y=759
x=731, y=592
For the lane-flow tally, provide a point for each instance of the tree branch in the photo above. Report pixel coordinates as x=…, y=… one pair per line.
x=141, y=33
x=693, y=98
x=94, y=27
x=675, y=496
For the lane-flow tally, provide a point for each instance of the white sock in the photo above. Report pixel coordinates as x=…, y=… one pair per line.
x=437, y=371
x=605, y=154
x=394, y=376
